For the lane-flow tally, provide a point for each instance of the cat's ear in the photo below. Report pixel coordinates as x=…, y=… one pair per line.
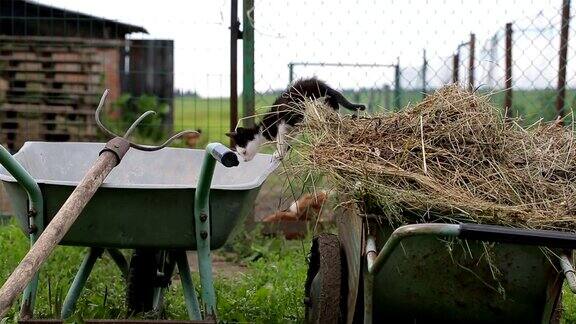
x=231, y=134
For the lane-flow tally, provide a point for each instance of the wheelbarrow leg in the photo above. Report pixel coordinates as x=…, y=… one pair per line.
x=35, y=218
x=188, y=286
x=119, y=260
x=80, y=281
x=167, y=265
x=29, y=295
x=368, y=297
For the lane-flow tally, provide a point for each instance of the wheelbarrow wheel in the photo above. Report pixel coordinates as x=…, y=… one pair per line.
x=323, y=289
x=141, y=281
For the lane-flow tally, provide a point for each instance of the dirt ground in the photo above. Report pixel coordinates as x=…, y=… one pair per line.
x=220, y=266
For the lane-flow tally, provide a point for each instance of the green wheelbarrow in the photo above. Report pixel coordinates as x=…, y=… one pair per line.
x=372, y=273
x=159, y=204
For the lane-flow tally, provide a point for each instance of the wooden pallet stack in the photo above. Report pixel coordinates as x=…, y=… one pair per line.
x=51, y=88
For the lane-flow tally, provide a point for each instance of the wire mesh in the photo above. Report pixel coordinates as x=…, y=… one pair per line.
x=433, y=43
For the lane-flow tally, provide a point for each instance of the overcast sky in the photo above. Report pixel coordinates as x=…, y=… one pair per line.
x=341, y=31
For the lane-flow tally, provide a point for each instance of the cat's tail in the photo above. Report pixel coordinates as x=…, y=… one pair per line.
x=343, y=101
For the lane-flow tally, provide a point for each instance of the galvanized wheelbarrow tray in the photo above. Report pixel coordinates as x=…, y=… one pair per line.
x=120, y=195
x=147, y=203
x=373, y=273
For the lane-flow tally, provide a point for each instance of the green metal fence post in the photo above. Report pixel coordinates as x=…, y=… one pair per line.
x=36, y=220
x=79, y=281
x=248, y=100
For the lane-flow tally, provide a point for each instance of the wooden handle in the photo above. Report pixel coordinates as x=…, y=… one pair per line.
x=55, y=231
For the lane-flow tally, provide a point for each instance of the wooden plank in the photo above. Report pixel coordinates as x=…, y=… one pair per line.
x=54, y=81
x=59, y=59
x=51, y=71
x=94, y=42
x=54, y=47
x=77, y=77
x=45, y=109
x=56, y=91
x=48, y=122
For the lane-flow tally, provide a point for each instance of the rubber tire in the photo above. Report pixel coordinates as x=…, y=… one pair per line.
x=141, y=281
x=323, y=289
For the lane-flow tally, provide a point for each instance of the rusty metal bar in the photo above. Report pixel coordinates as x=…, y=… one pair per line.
x=472, y=45
x=508, y=70
x=424, y=70
x=342, y=64
x=562, y=53
x=455, y=65
x=234, y=36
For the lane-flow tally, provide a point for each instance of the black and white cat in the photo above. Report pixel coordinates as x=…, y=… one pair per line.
x=286, y=112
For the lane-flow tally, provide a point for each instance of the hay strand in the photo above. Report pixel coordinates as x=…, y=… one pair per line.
x=451, y=158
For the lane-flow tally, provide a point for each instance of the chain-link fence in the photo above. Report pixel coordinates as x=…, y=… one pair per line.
x=357, y=45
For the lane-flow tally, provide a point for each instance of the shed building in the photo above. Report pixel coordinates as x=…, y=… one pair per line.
x=55, y=64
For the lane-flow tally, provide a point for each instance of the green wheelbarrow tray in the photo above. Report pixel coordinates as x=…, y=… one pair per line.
x=146, y=201
x=439, y=273
x=427, y=278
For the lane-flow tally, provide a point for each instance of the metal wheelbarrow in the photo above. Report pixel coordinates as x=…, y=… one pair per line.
x=160, y=204
x=371, y=272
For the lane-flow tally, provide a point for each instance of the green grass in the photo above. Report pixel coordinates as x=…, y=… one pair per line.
x=270, y=291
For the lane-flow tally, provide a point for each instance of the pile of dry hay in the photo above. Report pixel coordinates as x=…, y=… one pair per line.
x=451, y=158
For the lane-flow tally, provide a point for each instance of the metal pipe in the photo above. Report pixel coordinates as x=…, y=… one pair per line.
x=397, y=87
x=568, y=272
x=371, y=252
x=368, y=297
x=234, y=36
x=342, y=64
x=408, y=231
x=79, y=281
x=290, y=73
x=36, y=220
x=424, y=70
x=202, y=221
x=119, y=260
x=508, y=68
x=248, y=61
x=472, y=45
x=190, y=297
x=455, y=66
x=562, y=53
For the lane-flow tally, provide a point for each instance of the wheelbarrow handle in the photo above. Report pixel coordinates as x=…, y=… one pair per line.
x=493, y=233
x=223, y=154
x=487, y=233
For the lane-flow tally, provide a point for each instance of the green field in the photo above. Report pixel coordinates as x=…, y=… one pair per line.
x=212, y=115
